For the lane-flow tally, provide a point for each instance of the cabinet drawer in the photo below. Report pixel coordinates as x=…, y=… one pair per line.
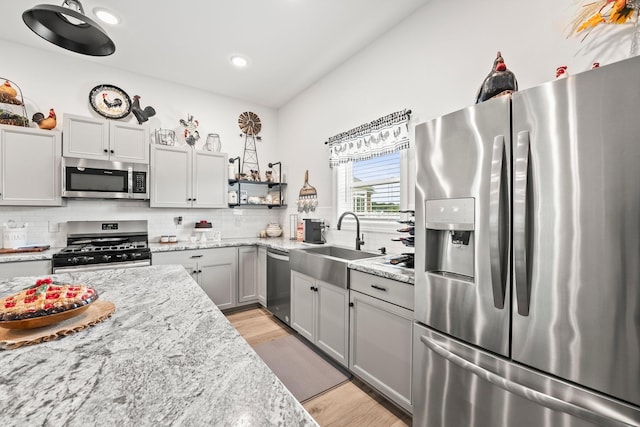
x=395, y=292
x=186, y=257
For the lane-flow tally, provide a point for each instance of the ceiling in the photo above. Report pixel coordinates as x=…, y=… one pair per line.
x=290, y=43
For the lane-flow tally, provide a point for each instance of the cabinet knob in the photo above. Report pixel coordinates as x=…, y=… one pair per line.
x=111, y=151
x=311, y=288
x=194, y=272
x=106, y=151
x=199, y=271
x=350, y=304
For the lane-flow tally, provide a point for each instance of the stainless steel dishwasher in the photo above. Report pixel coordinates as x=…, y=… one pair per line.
x=279, y=284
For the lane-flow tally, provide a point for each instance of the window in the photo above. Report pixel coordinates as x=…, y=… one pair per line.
x=371, y=188
x=373, y=176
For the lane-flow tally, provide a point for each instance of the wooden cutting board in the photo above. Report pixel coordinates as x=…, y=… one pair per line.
x=96, y=313
x=25, y=249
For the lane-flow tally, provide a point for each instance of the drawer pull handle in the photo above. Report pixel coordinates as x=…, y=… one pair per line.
x=196, y=256
x=380, y=288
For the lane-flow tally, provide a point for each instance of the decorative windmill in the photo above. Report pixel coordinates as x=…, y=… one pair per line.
x=250, y=126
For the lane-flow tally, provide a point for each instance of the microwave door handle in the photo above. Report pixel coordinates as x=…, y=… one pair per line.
x=521, y=222
x=130, y=181
x=498, y=228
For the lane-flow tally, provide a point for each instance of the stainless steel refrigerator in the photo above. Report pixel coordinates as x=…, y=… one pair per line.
x=528, y=257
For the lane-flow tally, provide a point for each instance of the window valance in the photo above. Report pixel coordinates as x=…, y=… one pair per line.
x=385, y=135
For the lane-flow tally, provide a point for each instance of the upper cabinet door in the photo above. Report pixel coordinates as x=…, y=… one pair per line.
x=129, y=142
x=210, y=182
x=85, y=137
x=170, y=178
x=101, y=139
x=30, y=167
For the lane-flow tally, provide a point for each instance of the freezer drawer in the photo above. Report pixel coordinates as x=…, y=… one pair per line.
x=456, y=385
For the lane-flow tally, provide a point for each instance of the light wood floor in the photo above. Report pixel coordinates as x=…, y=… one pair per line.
x=352, y=403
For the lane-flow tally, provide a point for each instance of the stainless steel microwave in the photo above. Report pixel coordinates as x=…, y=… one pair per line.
x=104, y=179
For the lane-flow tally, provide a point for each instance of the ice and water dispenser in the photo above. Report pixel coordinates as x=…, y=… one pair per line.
x=450, y=227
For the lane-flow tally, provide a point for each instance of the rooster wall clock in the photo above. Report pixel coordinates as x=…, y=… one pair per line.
x=110, y=101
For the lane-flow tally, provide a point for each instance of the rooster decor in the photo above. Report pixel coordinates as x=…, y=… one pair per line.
x=117, y=102
x=561, y=72
x=142, y=115
x=500, y=81
x=191, y=134
x=45, y=122
x=7, y=91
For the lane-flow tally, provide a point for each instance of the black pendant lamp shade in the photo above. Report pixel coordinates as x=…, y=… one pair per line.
x=69, y=29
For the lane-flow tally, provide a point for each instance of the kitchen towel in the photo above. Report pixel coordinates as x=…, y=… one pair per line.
x=301, y=370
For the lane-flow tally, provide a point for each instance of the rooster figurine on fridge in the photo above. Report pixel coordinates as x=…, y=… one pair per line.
x=500, y=81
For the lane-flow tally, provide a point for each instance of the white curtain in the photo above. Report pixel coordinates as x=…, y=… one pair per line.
x=385, y=135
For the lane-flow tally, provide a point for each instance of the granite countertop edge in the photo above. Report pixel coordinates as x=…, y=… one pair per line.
x=371, y=266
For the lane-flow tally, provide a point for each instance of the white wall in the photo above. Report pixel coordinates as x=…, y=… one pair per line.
x=433, y=63
x=62, y=82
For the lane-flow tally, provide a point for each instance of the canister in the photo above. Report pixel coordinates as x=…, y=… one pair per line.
x=14, y=237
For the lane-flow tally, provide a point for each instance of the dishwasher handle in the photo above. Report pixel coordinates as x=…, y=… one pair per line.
x=277, y=256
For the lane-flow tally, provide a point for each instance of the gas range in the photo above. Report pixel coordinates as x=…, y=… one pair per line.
x=96, y=245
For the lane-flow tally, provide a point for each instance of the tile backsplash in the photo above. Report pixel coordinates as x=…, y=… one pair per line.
x=48, y=225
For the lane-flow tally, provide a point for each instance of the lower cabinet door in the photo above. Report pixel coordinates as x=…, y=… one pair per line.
x=247, y=274
x=332, y=329
x=381, y=346
x=261, y=276
x=218, y=276
x=302, y=304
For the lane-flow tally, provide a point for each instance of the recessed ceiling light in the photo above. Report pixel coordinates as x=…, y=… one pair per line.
x=239, y=61
x=106, y=16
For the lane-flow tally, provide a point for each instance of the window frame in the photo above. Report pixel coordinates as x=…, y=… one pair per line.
x=407, y=197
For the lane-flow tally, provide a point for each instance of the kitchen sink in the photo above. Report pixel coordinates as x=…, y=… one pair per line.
x=326, y=263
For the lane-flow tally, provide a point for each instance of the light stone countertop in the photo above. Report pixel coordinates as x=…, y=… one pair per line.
x=167, y=356
x=29, y=256
x=380, y=266
x=372, y=266
x=277, y=243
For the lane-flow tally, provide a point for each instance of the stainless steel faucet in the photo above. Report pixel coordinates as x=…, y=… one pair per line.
x=359, y=241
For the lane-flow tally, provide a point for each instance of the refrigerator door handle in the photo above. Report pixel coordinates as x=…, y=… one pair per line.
x=520, y=222
x=497, y=222
x=520, y=390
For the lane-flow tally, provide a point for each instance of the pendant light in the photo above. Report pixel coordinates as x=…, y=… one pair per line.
x=68, y=27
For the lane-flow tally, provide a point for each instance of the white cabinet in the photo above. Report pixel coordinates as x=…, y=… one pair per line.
x=101, y=139
x=320, y=313
x=227, y=275
x=187, y=178
x=380, y=335
x=261, y=276
x=30, y=166
x=218, y=276
x=247, y=274
x=9, y=270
